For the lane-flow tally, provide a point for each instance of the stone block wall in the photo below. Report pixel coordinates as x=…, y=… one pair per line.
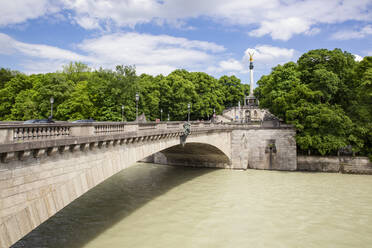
x=252, y=149
x=34, y=189
x=343, y=164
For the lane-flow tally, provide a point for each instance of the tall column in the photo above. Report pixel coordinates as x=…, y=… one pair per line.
x=251, y=74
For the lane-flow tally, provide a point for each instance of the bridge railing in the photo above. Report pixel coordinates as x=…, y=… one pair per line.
x=17, y=132
x=26, y=132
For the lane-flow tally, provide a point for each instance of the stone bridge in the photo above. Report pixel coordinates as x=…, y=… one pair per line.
x=44, y=167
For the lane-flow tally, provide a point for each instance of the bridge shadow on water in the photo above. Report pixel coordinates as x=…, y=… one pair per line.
x=107, y=203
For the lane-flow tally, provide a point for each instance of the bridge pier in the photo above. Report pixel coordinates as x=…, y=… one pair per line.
x=251, y=149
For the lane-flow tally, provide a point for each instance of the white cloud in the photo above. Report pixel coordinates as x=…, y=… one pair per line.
x=6, y=44
x=33, y=66
x=18, y=11
x=39, y=58
x=282, y=29
x=281, y=19
x=231, y=65
x=150, y=53
x=313, y=31
x=269, y=55
x=9, y=46
x=265, y=57
x=358, y=57
x=353, y=34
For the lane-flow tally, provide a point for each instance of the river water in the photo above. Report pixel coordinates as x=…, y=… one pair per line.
x=151, y=205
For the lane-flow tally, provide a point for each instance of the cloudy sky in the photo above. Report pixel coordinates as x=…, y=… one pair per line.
x=159, y=36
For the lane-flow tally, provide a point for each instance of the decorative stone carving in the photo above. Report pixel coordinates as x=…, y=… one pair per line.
x=270, y=120
x=271, y=147
x=101, y=144
x=37, y=153
x=23, y=155
x=7, y=157
x=74, y=148
x=84, y=147
x=93, y=145
x=63, y=149
x=51, y=151
x=109, y=143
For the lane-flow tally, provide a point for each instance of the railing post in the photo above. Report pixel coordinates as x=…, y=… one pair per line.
x=6, y=135
x=131, y=128
x=82, y=131
x=161, y=126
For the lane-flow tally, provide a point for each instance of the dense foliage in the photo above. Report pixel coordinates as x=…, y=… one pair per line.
x=327, y=95
x=81, y=93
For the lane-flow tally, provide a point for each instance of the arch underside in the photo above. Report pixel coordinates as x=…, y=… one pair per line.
x=192, y=154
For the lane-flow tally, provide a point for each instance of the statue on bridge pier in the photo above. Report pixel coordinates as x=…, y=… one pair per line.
x=186, y=132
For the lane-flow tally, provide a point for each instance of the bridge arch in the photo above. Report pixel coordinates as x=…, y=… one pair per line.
x=52, y=180
x=192, y=154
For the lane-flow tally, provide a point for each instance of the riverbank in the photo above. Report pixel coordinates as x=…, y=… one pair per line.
x=341, y=164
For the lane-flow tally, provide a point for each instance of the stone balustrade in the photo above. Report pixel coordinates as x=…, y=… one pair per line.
x=20, y=141
x=16, y=133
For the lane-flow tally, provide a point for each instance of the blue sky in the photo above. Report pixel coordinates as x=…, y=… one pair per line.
x=159, y=36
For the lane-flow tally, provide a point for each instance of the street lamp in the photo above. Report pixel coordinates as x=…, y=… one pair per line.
x=137, y=98
x=122, y=113
x=188, y=115
x=51, y=107
x=161, y=114
x=168, y=116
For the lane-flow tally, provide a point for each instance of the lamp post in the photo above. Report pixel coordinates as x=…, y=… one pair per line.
x=51, y=107
x=122, y=113
x=188, y=115
x=137, y=98
x=240, y=112
x=168, y=117
x=161, y=114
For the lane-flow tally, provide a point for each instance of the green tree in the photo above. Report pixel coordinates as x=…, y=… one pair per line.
x=338, y=65
x=76, y=71
x=360, y=111
x=50, y=85
x=5, y=76
x=10, y=91
x=77, y=105
x=233, y=90
x=210, y=95
x=320, y=127
x=281, y=89
x=320, y=97
x=150, y=97
x=176, y=92
x=24, y=107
